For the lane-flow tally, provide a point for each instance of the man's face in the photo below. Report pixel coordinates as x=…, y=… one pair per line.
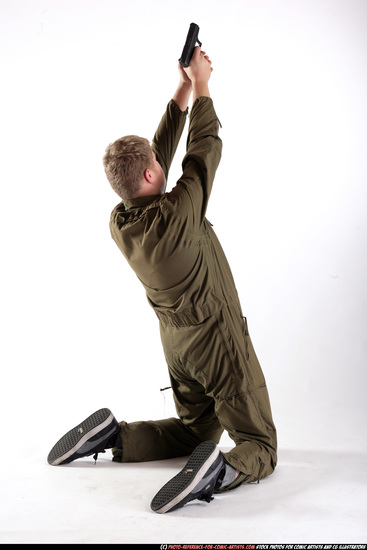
x=161, y=179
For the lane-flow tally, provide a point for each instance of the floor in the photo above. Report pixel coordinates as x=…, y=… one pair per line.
x=316, y=495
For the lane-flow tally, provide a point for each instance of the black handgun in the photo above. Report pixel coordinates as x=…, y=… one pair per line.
x=191, y=40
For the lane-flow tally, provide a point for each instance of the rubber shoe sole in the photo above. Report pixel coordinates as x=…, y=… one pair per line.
x=88, y=438
x=196, y=480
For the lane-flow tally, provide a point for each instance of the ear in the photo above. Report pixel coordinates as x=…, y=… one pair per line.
x=148, y=175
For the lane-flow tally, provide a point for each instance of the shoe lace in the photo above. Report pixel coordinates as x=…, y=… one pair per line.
x=107, y=445
x=208, y=496
x=95, y=456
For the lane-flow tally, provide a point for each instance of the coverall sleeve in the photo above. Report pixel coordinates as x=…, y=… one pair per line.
x=191, y=194
x=168, y=134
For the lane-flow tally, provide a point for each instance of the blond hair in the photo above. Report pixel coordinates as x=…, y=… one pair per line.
x=125, y=162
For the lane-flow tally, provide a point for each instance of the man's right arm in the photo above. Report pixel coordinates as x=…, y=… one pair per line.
x=199, y=72
x=204, y=146
x=204, y=150
x=189, y=198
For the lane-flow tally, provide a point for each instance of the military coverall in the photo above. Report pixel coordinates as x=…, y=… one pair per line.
x=216, y=378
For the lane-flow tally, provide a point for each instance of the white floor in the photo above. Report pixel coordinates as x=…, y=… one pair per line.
x=317, y=495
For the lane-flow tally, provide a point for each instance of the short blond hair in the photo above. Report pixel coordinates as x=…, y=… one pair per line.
x=125, y=162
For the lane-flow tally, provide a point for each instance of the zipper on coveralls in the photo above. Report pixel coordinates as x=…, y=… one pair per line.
x=246, y=334
x=262, y=465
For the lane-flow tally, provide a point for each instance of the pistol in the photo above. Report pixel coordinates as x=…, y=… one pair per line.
x=188, y=49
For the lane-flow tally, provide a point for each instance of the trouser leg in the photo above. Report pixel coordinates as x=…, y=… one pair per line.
x=160, y=439
x=218, y=357
x=247, y=417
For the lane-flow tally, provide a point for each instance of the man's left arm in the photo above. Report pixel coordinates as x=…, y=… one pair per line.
x=169, y=131
x=184, y=89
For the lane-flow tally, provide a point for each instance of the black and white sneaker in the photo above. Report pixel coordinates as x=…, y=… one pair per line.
x=199, y=478
x=95, y=434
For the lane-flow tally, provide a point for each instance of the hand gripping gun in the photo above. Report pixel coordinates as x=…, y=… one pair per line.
x=188, y=49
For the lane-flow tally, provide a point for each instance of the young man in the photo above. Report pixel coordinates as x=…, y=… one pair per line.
x=216, y=379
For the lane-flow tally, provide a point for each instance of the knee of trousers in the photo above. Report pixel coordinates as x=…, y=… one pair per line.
x=206, y=433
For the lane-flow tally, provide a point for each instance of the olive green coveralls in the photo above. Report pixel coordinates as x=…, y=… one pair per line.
x=216, y=378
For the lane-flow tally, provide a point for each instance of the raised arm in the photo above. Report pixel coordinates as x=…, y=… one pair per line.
x=204, y=147
x=199, y=72
x=169, y=131
x=184, y=89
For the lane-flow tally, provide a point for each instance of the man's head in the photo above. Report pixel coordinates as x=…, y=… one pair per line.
x=132, y=169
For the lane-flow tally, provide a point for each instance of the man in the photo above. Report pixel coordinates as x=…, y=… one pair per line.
x=216, y=379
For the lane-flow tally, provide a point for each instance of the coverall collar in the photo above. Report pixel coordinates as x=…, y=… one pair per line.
x=139, y=201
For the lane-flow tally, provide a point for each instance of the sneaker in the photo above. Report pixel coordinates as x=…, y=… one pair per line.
x=200, y=477
x=95, y=434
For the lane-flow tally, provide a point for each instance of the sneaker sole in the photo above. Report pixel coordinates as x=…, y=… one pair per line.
x=179, y=487
x=78, y=436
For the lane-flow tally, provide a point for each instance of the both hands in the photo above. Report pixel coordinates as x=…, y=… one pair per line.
x=199, y=69
x=194, y=78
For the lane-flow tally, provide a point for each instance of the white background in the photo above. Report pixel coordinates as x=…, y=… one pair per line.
x=289, y=205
